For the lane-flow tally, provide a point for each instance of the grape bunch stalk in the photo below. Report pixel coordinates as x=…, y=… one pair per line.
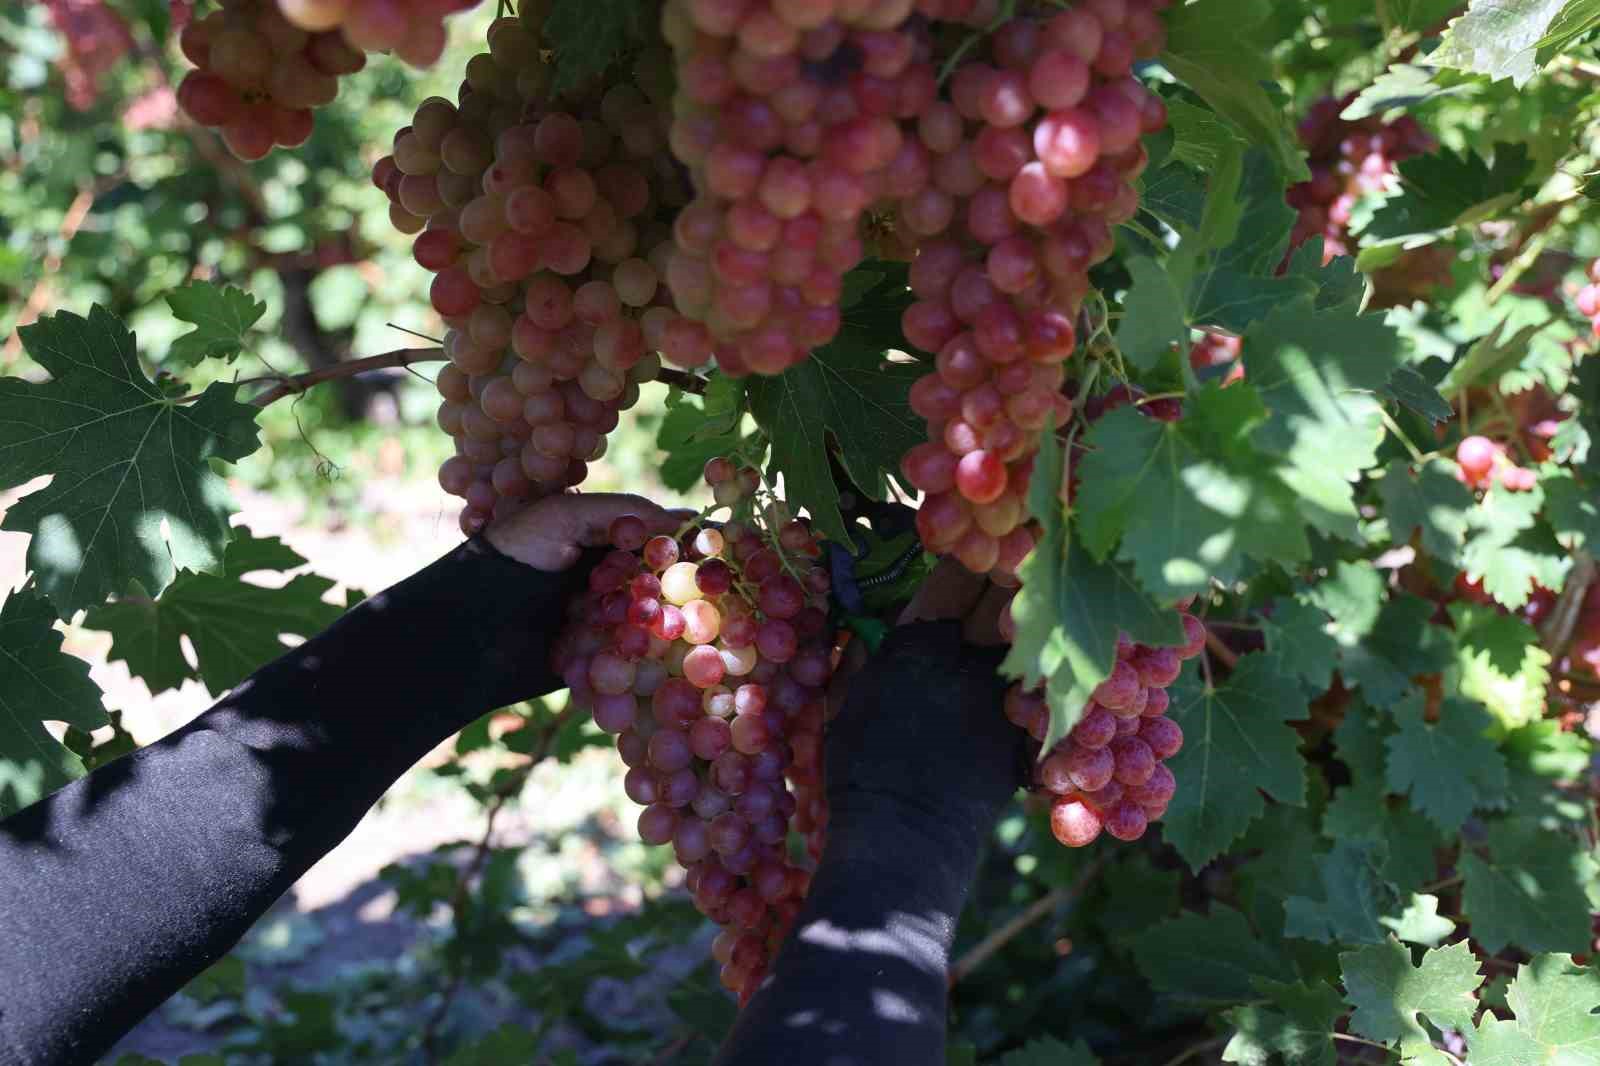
x=708, y=656
x=258, y=77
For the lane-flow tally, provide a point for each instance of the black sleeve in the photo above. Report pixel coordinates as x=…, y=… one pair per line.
x=920, y=763
x=120, y=888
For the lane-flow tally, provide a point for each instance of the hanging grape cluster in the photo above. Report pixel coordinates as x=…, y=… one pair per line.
x=1109, y=773
x=258, y=77
x=1349, y=160
x=412, y=29
x=1589, y=298
x=707, y=656
x=1029, y=164
x=793, y=117
x=547, y=224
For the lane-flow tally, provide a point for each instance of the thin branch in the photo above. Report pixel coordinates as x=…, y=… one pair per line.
x=1196, y=1049
x=1036, y=911
x=298, y=383
x=1227, y=655
x=1555, y=634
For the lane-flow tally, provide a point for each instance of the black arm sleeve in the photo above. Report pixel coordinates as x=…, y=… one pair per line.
x=120, y=888
x=920, y=764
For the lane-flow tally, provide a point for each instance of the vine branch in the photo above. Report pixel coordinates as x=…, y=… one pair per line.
x=1555, y=634
x=1036, y=911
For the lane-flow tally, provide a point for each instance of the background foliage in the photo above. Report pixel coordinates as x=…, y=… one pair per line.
x=1383, y=842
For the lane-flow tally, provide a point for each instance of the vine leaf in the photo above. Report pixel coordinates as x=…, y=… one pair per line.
x=1191, y=501
x=851, y=391
x=1512, y=549
x=1355, y=897
x=1556, y=1003
x=588, y=37
x=221, y=315
x=1421, y=922
x=1212, y=47
x=1407, y=386
x=234, y=626
x=1382, y=642
x=1531, y=890
x=1048, y=1051
x=1238, y=746
x=1432, y=500
x=1443, y=189
x=1459, y=741
x=1502, y=664
x=1296, y=1026
x=1498, y=38
x=133, y=495
x=1213, y=958
x=1070, y=608
x=1389, y=994
x=1299, y=644
x=697, y=429
x=38, y=683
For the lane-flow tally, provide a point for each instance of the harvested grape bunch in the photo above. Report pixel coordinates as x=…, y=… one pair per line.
x=258, y=77
x=707, y=656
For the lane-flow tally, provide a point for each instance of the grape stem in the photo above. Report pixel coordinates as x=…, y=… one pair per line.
x=1225, y=654
x=1556, y=632
x=1039, y=909
x=284, y=385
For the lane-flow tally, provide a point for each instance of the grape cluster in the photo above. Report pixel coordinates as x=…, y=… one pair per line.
x=1109, y=772
x=1588, y=299
x=258, y=77
x=1215, y=349
x=1014, y=185
x=1349, y=160
x=412, y=29
x=1481, y=463
x=547, y=225
x=707, y=656
x=1524, y=424
x=791, y=117
x=96, y=38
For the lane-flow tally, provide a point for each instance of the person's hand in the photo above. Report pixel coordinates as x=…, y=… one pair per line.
x=554, y=533
x=922, y=722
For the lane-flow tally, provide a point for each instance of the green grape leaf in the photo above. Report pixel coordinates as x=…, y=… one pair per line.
x=1498, y=38
x=1502, y=664
x=1577, y=18
x=1153, y=314
x=1192, y=501
x=222, y=316
x=233, y=625
x=1070, y=608
x=1542, y=757
x=1409, y=388
x=1382, y=642
x=1201, y=139
x=1531, y=892
x=1403, y=87
x=1048, y=1051
x=1209, y=48
x=134, y=495
x=1354, y=900
x=1238, y=285
x=1419, y=754
x=851, y=392
x=1557, y=1008
x=1358, y=810
x=1390, y=995
x=1497, y=351
x=1295, y=1027
x=1421, y=923
x=1213, y=958
x=1299, y=645
x=697, y=429
x=1511, y=550
x=1444, y=189
x=588, y=37
x=1571, y=508
x=1136, y=896
x=509, y=1043
x=1238, y=746
x=1431, y=500
x=1316, y=372
x=38, y=683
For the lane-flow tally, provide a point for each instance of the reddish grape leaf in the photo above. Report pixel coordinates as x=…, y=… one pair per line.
x=134, y=495
x=38, y=683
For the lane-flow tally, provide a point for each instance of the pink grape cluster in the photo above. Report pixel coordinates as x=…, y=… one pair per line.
x=1482, y=463
x=1023, y=172
x=1588, y=298
x=1349, y=161
x=707, y=657
x=1109, y=773
x=792, y=118
x=258, y=77
x=546, y=226
x=412, y=29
